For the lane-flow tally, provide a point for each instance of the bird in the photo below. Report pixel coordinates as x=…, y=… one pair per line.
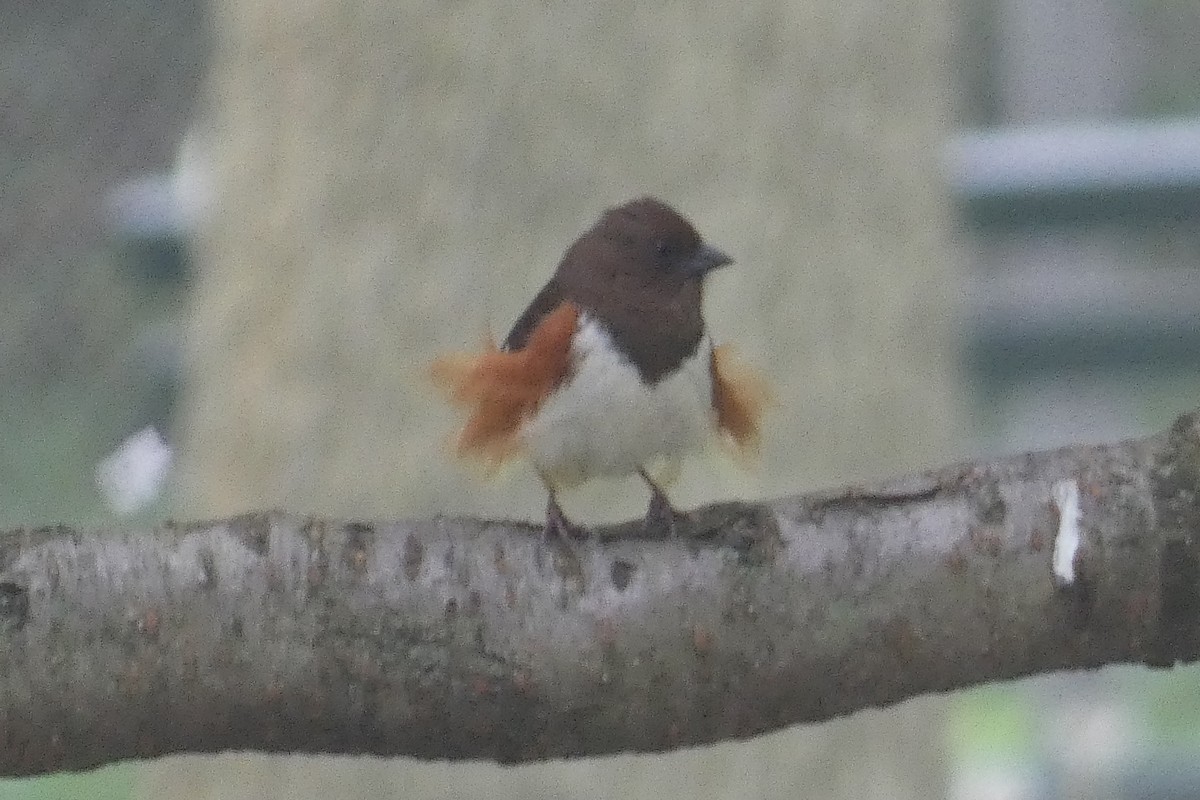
x=610, y=370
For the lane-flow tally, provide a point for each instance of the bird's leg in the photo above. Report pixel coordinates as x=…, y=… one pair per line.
x=557, y=524
x=661, y=515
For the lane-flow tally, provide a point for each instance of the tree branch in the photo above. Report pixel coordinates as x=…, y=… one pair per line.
x=469, y=639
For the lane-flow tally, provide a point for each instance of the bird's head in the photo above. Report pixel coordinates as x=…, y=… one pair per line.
x=659, y=242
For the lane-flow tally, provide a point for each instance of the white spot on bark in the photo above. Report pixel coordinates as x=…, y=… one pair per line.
x=1066, y=543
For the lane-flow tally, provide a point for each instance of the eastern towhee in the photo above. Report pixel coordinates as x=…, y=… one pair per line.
x=610, y=371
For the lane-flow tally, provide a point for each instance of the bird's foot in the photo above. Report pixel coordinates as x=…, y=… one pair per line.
x=661, y=516
x=558, y=527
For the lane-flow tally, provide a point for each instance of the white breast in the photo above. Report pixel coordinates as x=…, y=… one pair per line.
x=604, y=421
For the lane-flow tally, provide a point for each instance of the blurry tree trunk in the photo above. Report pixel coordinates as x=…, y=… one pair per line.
x=393, y=178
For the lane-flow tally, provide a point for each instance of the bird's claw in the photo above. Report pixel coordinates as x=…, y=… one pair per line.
x=661, y=515
x=558, y=527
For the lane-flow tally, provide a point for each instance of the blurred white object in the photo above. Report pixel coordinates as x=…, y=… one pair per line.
x=132, y=476
x=1119, y=156
x=995, y=782
x=166, y=203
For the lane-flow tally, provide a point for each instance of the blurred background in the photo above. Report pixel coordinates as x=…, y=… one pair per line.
x=233, y=233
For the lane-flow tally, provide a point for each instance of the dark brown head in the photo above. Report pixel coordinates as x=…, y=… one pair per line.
x=652, y=238
x=639, y=271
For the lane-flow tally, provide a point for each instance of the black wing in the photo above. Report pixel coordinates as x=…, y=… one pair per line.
x=543, y=303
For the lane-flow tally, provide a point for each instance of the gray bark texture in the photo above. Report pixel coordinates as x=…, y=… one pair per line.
x=465, y=639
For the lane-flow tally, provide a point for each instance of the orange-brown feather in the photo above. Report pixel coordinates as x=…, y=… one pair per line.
x=740, y=396
x=502, y=389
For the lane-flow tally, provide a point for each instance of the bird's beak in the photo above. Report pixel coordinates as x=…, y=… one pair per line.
x=706, y=259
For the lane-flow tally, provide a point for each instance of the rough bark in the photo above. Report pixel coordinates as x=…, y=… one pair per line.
x=458, y=639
